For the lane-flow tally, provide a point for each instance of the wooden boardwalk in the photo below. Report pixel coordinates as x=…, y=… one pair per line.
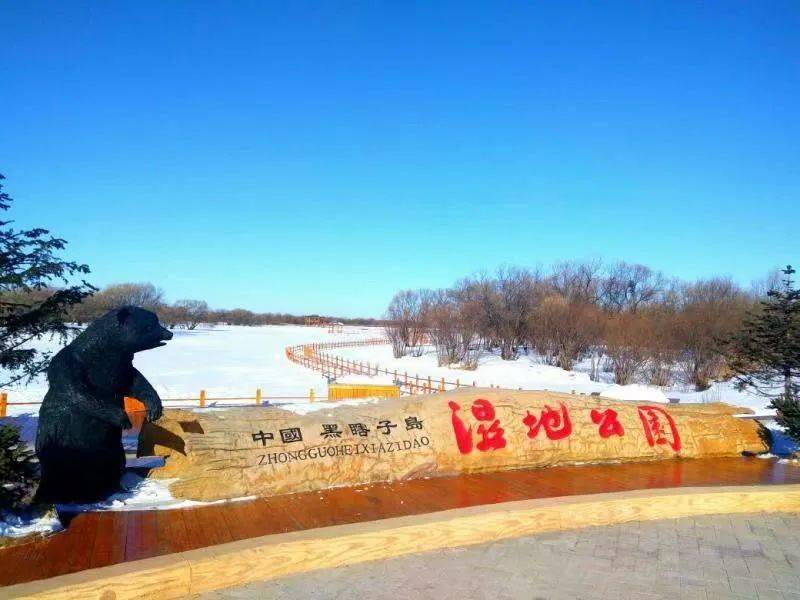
x=105, y=538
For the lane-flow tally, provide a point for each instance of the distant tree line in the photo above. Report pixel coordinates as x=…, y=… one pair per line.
x=622, y=318
x=185, y=313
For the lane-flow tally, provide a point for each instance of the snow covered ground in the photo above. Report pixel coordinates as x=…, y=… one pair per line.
x=528, y=372
x=224, y=361
x=234, y=361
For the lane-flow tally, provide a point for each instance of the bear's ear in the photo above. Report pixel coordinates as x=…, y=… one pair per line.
x=122, y=315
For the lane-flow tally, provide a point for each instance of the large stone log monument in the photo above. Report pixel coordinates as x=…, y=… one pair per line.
x=228, y=453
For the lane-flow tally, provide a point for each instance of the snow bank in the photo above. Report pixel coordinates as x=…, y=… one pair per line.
x=525, y=372
x=16, y=526
x=634, y=391
x=528, y=372
x=140, y=493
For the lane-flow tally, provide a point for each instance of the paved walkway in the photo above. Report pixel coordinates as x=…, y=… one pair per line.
x=742, y=556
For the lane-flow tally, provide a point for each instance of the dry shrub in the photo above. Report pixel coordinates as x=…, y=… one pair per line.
x=405, y=326
x=663, y=352
x=563, y=331
x=713, y=310
x=627, y=341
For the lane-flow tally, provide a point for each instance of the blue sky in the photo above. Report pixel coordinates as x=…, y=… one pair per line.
x=317, y=157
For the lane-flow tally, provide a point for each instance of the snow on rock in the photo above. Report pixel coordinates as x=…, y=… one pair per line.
x=304, y=408
x=19, y=526
x=634, y=391
x=140, y=493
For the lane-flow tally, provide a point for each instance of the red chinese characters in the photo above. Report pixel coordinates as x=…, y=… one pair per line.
x=608, y=422
x=491, y=437
x=659, y=428
x=556, y=423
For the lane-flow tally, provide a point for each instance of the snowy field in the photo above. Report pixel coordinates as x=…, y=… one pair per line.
x=234, y=361
x=224, y=361
x=528, y=372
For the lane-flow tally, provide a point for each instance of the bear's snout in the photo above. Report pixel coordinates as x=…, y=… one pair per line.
x=166, y=334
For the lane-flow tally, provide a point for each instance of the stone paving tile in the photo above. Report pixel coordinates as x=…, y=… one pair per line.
x=713, y=557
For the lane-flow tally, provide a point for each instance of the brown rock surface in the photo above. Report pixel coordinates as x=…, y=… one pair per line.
x=228, y=453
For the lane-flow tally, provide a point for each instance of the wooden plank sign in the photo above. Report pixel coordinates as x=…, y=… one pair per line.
x=229, y=453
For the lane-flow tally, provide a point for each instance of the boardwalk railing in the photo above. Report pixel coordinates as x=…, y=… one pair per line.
x=202, y=400
x=313, y=356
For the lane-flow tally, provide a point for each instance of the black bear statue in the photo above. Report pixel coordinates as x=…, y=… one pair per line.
x=79, y=437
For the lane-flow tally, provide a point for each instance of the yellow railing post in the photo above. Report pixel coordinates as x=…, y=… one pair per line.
x=202, y=398
x=258, y=397
x=3, y=404
x=442, y=389
x=311, y=395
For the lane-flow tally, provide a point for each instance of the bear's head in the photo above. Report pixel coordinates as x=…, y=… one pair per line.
x=129, y=328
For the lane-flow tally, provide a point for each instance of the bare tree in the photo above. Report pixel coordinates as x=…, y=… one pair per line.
x=442, y=316
x=171, y=316
x=419, y=326
x=405, y=326
x=514, y=301
x=759, y=288
x=143, y=295
x=713, y=310
x=483, y=292
x=628, y=318
x=469, y=318
x=627, y=345
x=662, y=346
x=239, y=316
x=628, y=287
x=578, y=281
x=394, y=333
x=563, y=331
x=193, y=312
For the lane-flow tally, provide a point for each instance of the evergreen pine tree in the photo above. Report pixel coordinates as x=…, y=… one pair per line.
x=18, y=471
x=766, y=354
x=30, y=307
